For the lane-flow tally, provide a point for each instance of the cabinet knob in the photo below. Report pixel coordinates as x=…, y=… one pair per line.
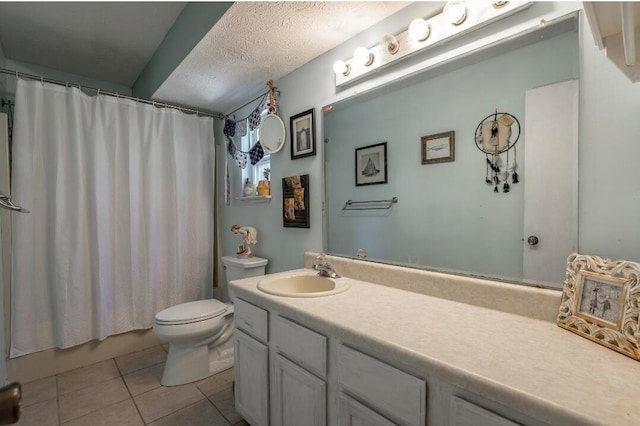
x=532, y=240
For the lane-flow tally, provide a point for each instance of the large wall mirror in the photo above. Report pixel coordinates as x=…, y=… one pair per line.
x=447, y=217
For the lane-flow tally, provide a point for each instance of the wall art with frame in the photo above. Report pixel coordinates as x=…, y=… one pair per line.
x=303, y=135
x=439, y=148
x=371, y=164
x=295, y=199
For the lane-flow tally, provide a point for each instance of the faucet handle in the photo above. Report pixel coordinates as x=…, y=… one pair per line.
x=322, y=259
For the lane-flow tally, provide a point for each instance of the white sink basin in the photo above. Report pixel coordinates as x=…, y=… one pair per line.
x=303, y=285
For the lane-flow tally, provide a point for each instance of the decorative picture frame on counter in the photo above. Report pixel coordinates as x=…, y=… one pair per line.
x=295, y=201
x=371, y=164
x=303, y=135
x=439, y=148
x=601, y=301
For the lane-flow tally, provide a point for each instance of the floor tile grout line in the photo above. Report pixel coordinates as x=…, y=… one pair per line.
x=133, y=400
x=183, y=408
x=218, y=410
x=58, y=400
x=86, y=386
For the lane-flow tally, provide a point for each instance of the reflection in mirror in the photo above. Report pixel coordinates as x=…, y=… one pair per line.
x=447, y=217
x=271, y=133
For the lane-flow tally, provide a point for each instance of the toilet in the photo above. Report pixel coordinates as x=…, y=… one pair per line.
x=199, y=333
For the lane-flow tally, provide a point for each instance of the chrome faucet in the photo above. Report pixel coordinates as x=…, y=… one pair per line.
x=323, y=268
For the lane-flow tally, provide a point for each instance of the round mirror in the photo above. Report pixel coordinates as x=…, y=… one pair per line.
x=271, y=133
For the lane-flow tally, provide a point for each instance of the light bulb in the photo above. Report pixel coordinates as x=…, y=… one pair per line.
x=419, y=29
x=340, y=67
x=455, y=12
x=363, y=56
x=390, y=44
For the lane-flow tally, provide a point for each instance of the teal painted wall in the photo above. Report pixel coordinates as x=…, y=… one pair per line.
x=447, y=216
x=609, y=202
x=193, y=23
x=310, y=86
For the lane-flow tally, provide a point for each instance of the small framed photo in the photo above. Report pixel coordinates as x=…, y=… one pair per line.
x=601, y=301
x=371, y=164
x=439, y=148
x=303, y=135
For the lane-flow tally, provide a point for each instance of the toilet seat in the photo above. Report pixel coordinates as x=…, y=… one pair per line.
x=191, y=312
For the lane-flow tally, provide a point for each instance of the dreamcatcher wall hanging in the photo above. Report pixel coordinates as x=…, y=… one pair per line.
x=496, y=135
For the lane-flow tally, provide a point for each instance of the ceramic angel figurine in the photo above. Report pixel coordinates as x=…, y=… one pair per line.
x=249, y=237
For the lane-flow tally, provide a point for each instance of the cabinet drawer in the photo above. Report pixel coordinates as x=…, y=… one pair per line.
x=301, y=345
x=352, y=413
x=391, y=392
x=465, y=413
x=251, y=319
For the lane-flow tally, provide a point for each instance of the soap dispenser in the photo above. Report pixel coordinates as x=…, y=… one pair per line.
x=249, y=188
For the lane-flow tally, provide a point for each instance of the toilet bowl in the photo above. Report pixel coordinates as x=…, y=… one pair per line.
x=199, y=336
x=199, y=333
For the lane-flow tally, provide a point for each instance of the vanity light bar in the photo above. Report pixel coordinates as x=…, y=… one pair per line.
x=477, y=15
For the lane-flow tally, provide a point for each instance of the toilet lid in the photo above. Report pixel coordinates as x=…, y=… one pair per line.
x=200, y=310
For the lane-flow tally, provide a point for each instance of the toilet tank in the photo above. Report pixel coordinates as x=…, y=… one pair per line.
x=237, y=268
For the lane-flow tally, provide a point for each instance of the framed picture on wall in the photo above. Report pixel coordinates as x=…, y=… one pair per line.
x=601, y=301
x=295, y=199
x=371, y=164
x=303, y=135
x=438, y=148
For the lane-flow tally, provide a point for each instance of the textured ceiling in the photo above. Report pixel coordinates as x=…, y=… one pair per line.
x=106, y=41
x=257, y=41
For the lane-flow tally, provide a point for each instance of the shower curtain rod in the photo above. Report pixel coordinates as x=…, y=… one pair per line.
x=18, y=74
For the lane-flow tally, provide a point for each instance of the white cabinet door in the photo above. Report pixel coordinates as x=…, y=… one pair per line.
x=388, y=390
x=251, y=379
x=550, y=204
x=352, y=413
x=301, y=397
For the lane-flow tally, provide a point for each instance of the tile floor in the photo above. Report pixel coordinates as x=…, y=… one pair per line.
x=126, y=391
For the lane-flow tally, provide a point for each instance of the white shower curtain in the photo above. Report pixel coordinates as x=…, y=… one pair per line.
x=121, y=225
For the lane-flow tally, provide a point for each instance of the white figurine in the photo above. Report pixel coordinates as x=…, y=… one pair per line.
x=249, y=237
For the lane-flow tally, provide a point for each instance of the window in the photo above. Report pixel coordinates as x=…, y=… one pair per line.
x=255, y=172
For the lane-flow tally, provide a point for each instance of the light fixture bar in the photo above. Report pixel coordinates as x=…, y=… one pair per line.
x=478, y=15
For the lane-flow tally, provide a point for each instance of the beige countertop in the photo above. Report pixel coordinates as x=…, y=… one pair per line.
x=532, y=366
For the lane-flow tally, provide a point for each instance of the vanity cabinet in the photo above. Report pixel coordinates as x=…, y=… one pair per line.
x=251, y=363
x=353, y=413
x=385, y=391
x=300, y=398
x=279, y=375
x=465, y=413
x=299, y=375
